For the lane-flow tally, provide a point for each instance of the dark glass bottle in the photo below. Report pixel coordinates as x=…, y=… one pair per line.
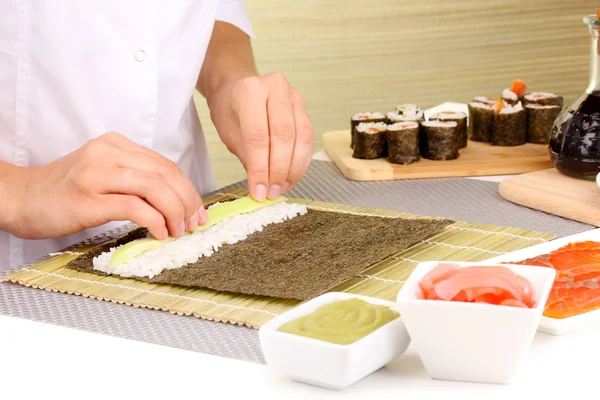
x=575, y=140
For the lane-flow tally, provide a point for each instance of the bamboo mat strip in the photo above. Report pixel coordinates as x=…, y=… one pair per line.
x=461, y=241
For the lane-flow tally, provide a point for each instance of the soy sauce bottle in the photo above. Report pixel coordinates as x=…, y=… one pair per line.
x=575, y=139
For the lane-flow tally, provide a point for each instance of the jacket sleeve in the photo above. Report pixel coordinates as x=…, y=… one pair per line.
x=234, y=12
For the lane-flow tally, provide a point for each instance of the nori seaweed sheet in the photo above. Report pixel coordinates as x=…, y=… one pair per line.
x=403, y=146
x=550, y=101
x=480, y=124
x=439, y=142
x=540, y=122
x=370, y=145
x=462, y=129
x=354, y=124
x=298, y=259
x=510, y=129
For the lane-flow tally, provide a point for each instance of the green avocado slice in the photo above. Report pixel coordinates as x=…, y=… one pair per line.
x=215, y=214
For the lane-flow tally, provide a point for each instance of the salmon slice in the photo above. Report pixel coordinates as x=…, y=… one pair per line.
x=518, y=87
x=569, y=302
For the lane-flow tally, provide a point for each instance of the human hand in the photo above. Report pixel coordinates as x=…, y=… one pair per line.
x=109, y=179
x=264, y=122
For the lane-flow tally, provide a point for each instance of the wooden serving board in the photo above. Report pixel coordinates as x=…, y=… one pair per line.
x=554, y=193
x=477, y=159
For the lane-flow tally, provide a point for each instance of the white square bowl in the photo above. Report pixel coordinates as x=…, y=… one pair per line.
x=472, y=342
x=330, y=365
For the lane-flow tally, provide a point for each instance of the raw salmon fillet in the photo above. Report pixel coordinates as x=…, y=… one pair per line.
x=576, y=289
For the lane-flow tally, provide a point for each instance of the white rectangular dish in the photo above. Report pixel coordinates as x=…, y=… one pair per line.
x=555, y=326
x=472, y=342
x=326, y=364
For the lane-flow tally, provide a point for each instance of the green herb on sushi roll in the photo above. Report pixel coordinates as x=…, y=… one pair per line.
x=363, y=117
x=403, y=142
x=370, y=140
x=461, y=120
x=542, y=98
x=540, y=119
x=510, y=125
x=439, y=140
x=481, y=118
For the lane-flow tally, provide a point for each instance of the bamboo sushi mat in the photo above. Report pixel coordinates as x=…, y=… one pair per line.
x=461, y=242
x=461, y=199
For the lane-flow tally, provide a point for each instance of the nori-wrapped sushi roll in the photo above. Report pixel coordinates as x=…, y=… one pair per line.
x=439, y=140
x=510, y=125
x=484, y=100
x=481, y=118
x=540, y=119
x=461, y=120
x=510, y=97
x=368, y=116
x=403, y=142
x=370, y=140
x=408, y=112
x=543, y=98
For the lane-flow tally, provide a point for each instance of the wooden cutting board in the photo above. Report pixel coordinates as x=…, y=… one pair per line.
x=555, y=193
x=477, y=159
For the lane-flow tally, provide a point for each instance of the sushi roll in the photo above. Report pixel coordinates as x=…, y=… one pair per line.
x=408, y=112
x=484, y=100
x=542, y=98
x=516, y=92
x=363, y=117
x=509, y=127
x=510, y=97
x=461, y=120
x=394, y=117
x=403, y=142
x=540, y=119
x=439, y=140
x=481, y=118
x=370, y=140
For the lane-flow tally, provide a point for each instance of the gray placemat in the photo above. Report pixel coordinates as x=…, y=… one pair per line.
x=461, y=199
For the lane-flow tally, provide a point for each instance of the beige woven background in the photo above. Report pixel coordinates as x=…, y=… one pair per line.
x=353, y=55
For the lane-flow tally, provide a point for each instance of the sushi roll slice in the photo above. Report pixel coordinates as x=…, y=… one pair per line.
x=370, y=140
x=461, y=120
x=516, y=92
x=543, y=99
x=510, y=125
x=484, y=100
x=481, y=118
x=510, y=97
x=408, y=112
x=394, y=117
x=540, y=119
x=403, y=142
x=439, y=140
x=363, y=117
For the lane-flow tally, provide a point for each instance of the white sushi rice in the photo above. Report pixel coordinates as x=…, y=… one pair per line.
x=509, y=94
x=535, y=105
x=440, y=124
x=509, y=110
x=458, y=115
x=477, y=104
x=367, y=116
x=539, y=95
x=483, y=99
x=365, y=127
x=190, y=248
x=402, y=126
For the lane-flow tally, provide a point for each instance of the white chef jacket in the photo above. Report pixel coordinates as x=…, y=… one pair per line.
x=71, y=70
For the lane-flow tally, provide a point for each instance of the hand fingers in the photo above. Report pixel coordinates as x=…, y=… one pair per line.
x=132, y=155
x=190, y=199
x=146, y=185
x=120, y=207
x=304, y=145
x=252, y=112
x=281, y=134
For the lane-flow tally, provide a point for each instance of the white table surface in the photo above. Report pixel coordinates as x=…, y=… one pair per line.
x=39, y=360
